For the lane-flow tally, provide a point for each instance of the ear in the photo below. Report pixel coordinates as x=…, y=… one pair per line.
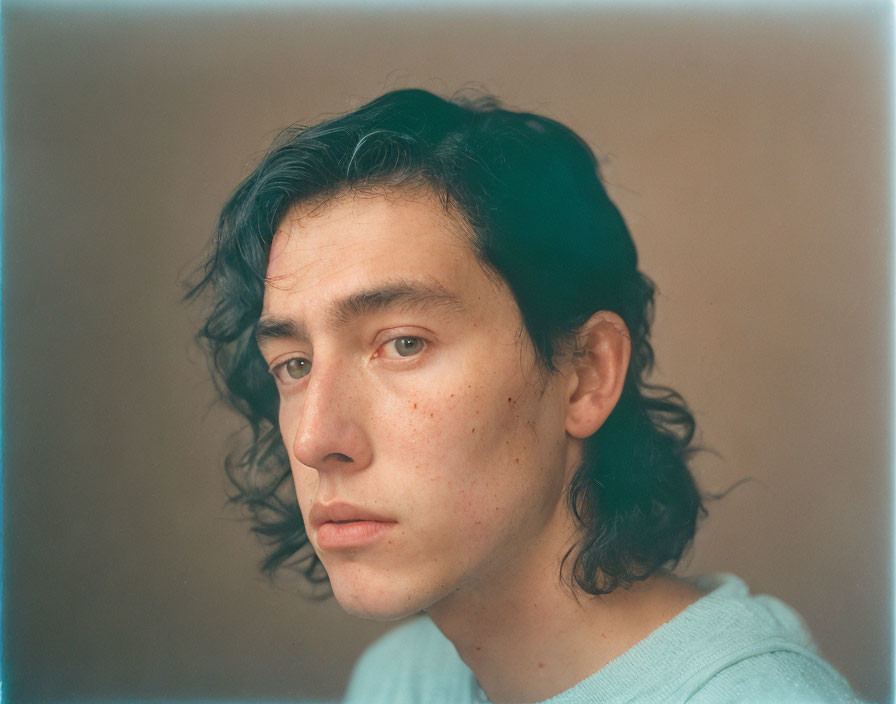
x=599, y=366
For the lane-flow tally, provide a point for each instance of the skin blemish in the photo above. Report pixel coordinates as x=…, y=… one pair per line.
x=517, y=460
x=415, y=405
x=541, y=664
x=473, y=430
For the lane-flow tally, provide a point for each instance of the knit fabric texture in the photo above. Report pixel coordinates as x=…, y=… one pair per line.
x=728, y=646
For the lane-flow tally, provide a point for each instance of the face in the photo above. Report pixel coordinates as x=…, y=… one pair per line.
x=428, y=449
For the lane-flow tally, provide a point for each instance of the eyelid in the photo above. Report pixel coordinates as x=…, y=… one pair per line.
x=277, y=369
x=398, y=332
x=390, y=336
x=389, y=344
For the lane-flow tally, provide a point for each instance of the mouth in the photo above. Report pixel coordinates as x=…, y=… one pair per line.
x=344, y=535
x=340, y=526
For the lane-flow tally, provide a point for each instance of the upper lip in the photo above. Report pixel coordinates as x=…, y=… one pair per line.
x=341, y=511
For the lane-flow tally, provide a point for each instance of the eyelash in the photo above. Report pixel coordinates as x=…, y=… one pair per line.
x=281, y=376
x=279, y=369
x=398, y=338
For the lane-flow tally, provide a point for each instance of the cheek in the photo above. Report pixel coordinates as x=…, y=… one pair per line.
x=462, y=447
x=455, y=424
x=287, y=420
x=306, y=482
x=304, y=478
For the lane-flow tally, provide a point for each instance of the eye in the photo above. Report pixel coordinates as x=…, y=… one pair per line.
x=404, y=346
x=292, y=369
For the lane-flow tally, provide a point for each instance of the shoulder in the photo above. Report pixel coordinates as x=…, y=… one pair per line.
x=728, y=647
x=775, y=677
x=758, y=650
x=412, y=663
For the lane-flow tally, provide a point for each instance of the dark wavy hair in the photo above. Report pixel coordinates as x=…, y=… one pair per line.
x=529, y=191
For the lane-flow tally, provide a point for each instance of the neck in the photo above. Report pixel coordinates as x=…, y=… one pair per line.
x=528, y=637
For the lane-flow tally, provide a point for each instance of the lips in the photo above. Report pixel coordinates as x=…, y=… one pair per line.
x=341, y=525
x=340, y=512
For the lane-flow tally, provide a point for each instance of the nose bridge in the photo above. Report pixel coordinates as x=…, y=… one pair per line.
x=331, y=428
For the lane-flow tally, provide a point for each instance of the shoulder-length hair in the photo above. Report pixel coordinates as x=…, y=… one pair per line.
x=529, y=192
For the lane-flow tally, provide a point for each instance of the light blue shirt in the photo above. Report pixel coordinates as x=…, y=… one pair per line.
x=728, y=646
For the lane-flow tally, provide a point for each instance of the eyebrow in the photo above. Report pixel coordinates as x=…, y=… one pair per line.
x=400, y=294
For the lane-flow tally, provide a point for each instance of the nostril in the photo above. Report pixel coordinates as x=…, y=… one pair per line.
x=339, y=457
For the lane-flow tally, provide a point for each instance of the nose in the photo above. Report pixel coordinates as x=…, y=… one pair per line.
x=331, y=431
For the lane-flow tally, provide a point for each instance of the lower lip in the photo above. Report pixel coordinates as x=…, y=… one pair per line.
x=340, y=536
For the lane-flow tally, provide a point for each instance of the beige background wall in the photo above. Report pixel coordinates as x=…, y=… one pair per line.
x=748, y=149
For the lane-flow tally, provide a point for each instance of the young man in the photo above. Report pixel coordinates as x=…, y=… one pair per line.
x=431, y=315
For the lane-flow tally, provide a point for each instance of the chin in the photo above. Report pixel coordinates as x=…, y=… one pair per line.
x=379, y=599
x=375, y=606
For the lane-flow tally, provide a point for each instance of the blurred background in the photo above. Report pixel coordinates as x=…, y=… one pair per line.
x=749, y=149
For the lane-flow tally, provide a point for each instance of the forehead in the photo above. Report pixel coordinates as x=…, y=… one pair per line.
x=327, y=250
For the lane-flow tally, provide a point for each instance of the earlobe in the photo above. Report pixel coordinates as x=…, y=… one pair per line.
x=599, y=367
